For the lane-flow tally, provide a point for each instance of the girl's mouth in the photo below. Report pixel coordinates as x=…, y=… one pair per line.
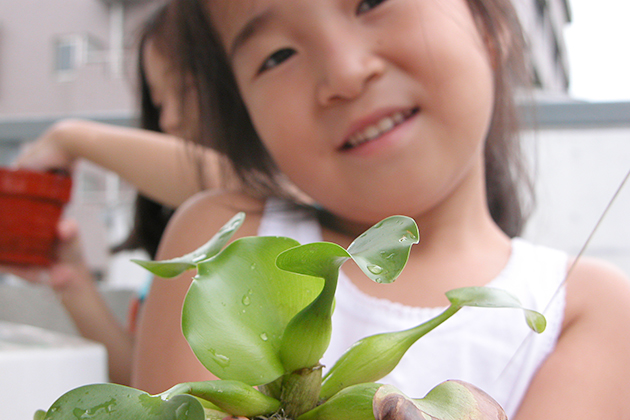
x=379, y=128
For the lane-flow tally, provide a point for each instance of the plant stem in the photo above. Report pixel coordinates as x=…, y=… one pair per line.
x=300, y=391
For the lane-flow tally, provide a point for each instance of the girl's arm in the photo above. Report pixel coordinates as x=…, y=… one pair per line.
x=158, y=165
x=588, y=374
x=162, y=357
x=76, y=289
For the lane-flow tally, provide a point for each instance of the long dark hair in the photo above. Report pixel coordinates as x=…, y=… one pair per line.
x=150, y=217
x=227, y=126
x=509, y=188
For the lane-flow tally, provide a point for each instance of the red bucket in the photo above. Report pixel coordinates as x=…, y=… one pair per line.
x=30, y=207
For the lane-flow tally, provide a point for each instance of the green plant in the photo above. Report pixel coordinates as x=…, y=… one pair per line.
x=258, y=316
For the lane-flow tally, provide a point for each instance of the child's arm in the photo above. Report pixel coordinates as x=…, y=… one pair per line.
x=588, y=374
x=156, y=366
x=158, y=165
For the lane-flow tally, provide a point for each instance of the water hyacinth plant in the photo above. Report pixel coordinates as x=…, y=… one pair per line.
x=258, y=316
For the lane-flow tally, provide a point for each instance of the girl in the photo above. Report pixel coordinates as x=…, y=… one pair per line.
x=375, y=108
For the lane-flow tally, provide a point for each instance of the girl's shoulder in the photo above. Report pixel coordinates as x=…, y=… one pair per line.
x=588, y=371
x=597, y=290
x=202, y=215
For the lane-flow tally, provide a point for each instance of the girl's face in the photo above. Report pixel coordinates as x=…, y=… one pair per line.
x=372, y=108
x=177, y=117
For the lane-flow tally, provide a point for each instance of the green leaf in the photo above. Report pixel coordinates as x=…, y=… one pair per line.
x=234, y=397
x=115, y=402
x=352, y=403
x=239, y=305
x=176, y=266
x=319, y=259
x=307, y=335
x=373, y=357
x=450, y=400
x=383, y=250
x=488, y=297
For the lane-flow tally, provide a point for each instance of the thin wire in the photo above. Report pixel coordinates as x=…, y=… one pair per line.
x=588, y=240
x=570, y=270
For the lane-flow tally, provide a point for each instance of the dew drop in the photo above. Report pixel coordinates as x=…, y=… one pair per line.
x=253, y=266
x=408, y=236
x=221, y=359
x=375, y=269
x=246, y=301
x=106, y=407
x=264, y=337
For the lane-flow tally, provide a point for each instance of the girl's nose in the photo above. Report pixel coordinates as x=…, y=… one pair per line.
x=348, y=64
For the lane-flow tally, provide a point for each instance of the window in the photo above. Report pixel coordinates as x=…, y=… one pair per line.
x=66, y=57
x=73, y=51
x=69, y=55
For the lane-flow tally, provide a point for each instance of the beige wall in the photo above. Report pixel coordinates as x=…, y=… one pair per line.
x=578, y=171
x=29, y=85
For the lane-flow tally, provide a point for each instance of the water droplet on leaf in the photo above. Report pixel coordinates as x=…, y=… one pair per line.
x=375, y=269
x=221, y=359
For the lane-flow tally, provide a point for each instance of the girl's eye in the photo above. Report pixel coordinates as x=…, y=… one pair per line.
x=367, y=5
x=276, y=58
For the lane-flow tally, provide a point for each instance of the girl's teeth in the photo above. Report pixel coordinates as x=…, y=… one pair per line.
x=398, y=117
x=386, y=124
x=375, y=130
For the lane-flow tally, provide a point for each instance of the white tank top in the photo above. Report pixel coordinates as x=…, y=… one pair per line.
x=492, y=349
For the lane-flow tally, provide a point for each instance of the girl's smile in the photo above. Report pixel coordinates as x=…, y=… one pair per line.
x=374, y=127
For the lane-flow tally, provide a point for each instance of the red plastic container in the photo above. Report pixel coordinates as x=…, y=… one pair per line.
x=31, y=204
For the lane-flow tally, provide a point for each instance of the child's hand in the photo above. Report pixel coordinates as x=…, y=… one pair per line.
x=48, y=151
x=68, y=271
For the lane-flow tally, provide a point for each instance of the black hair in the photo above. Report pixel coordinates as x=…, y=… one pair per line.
x=150, y=217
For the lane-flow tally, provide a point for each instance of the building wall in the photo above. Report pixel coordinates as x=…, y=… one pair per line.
x=580, y=155
x=543, y=22
x=29, y=84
